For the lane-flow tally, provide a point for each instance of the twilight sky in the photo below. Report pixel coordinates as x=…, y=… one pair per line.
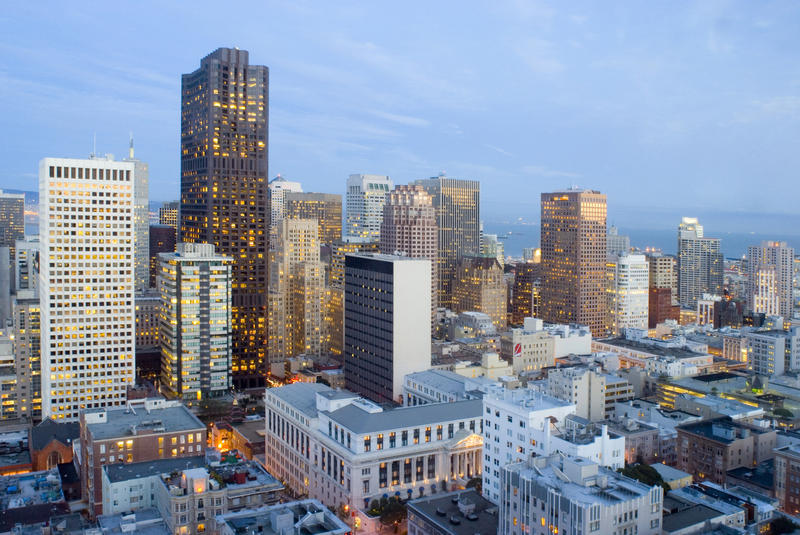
x=683, y=107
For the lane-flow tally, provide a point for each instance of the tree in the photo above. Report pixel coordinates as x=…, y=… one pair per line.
x=476, y=483
x=782, y=525
x=780, y=412
x=393, y=513
x=646, y=474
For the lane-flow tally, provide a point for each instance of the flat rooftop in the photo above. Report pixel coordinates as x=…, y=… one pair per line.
x=438, y=509
x=711, y=429
x=143, y=521
x=694, y=515
x=127, y=471
x=35, y=488
x=123, y=421
x=309, y=516
x=669, y=473
x=677, y=352
x=302, y=396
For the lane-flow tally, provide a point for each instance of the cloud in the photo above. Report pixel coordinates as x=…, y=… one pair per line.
x=498, y=149
x=540, y=170
x=406, y=120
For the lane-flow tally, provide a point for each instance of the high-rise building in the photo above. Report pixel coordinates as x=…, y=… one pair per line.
x=334, y=313
x=12, y=220
x=387, y=330
x=141, y=220
x=277, y=189
x=366, y=195
x=617, y=244
x=525, y=301
x=168, y=214
x=479, y=286
x=409, y=229
x=162, y=240
x=664, y=273
x=492, y=246
x=224, y=138
x=86, y=224
x=574, y=258
x=148, y=344
x=769, y=278
x=295, y=292
x=326, y=208
x=195, y=322
x=700, y=264
x=26, y=264
x=660, y=308
x=28, y=354
x=773, y=352
x=628, y=299
x=457, y=203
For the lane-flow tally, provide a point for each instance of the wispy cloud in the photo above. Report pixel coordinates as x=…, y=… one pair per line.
x=540, y=170
x=406, y=120
x=498, y=149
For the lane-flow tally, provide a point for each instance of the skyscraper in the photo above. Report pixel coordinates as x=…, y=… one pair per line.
x=224, y=138
x=479, y=286
x=194, y=327
x=409, y=229
x=326, y=208
x=573, y=246
x=141, y=221
x=12, y=220
x=277, y=189
x=664, y=273
x=699, y=263
x=295, y=292
x=628, y=298
x=457, y=204
x=769, y=278
x=387, y=330
x=162, y=240
x=86, y=224
x=168, y=214
x=366, y=195
x=525, y=298
x=617, y=244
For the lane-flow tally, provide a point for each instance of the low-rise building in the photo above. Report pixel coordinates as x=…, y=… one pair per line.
x=642, y=444
x=463, y=512
x=51, y=443
x=593, y=393
x=293, y=518
x=30, y=499
x=560, y=494
x=145, y=430
x=715, y=407
x=672, y=476
x=710, y=448
x=15, y=455
x=441, y=386
x=536, y=345
x=665, y=420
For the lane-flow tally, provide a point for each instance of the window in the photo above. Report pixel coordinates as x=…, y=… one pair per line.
x=367, y=445
x=404, y=438
x=395, y=472
x=379, y=441
x=450, y=429
x=366, y=486
x=428, y=434
x=438, y=432
x=419, y=469
x=382, y=476
x=407, y=471
x=431, y=466
x=392, y=439
x=416, y=436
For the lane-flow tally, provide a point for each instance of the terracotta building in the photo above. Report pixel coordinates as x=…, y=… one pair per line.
x=51, y=443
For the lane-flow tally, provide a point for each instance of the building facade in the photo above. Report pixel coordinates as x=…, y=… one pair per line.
x=769, y=279
x=28, y=355
x=387, y=330
x=277, y=190
x=86, y=223
x=168, y=214
x=479, y=286
x=224, y=142
x=194, y=327
x=325, y=208
x=525, y=297
x=628, y=299
x=573, y=242
x=141, y=220
x=699, y=263
x=457, y=204
x=162, y=240
x=12, y=221
x=366, y=196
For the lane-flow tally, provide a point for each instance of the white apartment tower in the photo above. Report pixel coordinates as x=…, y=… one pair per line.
x=296, y=292
x=194, y=325
x=141, y=220
x=366, y=195
x=278, y=187
x=628, y=292
x=87, y=229
x=769, y=278
x=699, y=263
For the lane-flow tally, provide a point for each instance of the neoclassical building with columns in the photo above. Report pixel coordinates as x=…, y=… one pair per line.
x=341, y=449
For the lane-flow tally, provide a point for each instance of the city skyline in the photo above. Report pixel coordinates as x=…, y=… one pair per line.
x=606, y=103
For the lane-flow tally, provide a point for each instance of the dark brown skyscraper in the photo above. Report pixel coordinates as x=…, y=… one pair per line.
x=574, y=258
x=162, y=240
x=224, y=119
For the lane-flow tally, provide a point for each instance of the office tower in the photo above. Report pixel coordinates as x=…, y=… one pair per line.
x=617, y=244
x=12, y=220
x=660, y=307
x=699, y=263
x=296, y=292
x=168, y=214
x=366, y=195
x=492, y=246
x=86, y=225
x=532, y=254
x=162, y=240
x=26, y=264
x=334, y=312
x=769, y=278
x=387, y=331
x=195, y=322
x=664, y=273
x=27, y=354
x=628, y=297
x=409, y=229
x=479, y=286
x=457, y=203
x=326, y=208
x=148, y=345
x=525, y=300
x=6, y=289
x=774, y=351
x=141, y=220
x=277, y=189
x=574, y=258
x=224, y=189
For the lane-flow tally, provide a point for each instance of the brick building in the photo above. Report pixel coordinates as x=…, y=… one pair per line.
x=51, y=443
x=145, y=430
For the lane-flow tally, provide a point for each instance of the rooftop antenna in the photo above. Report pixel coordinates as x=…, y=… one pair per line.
x=94, y=144
x=130, y=148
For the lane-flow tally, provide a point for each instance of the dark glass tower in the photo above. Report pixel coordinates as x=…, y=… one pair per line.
x=224, y=138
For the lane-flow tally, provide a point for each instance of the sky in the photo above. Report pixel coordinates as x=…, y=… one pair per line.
x=670, y=108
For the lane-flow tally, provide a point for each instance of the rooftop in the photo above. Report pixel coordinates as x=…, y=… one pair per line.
x=669, y=473
x=48, y=430
x=122, y=422
x=762, y=476
x=722, y=430
x=142, y=522
x=301, y=396
x=14, y=449
x=360, y=421
x=696, y=514
x=308, y=517
x=474, y=513
x=677, y=352
x=34, y=488
x=127, y=471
